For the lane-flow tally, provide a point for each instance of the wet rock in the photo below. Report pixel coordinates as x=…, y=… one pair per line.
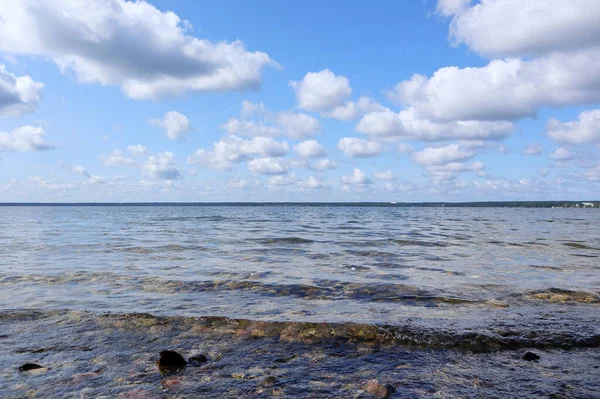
x=197, y=360
x=30, y=366
x=171, y=360
x=530, y=356
x=269, y=380
x=375, y=388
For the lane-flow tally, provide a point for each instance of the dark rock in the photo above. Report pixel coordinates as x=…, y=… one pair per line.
x=197, y=360
x=30, y=366
x=530, y=356
x=380, y=390
x=171, y=360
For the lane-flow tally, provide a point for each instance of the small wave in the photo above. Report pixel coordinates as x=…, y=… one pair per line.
x=285, y=240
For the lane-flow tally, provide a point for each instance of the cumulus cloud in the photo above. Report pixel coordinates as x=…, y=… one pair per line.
x=232, y=150
x=312, y=183
x=504, y=89
x=297, y=125
x=384, y=175
x=268, y=166
x=81, y=171
x=24, y=139
x=562, y=154
x=352, y=110
x=407, y=125
x=405, y=148
x=449, y=171
x=249, y=128
x=536, y=27
x=450, y=153
x=323, y=164
x=321, y=91
x=310, y=149
x=358, y=177
x=282, y=180
x=359, y=148
x=162, y=166
x=148, y=53
x=533, y=149
x=117, y=158
x=138, y=150
x=18, y=94
x=176, y=125
x=586, y=129
x=250, y=109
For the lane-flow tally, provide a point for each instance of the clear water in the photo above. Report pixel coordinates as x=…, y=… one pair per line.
x=470, y=285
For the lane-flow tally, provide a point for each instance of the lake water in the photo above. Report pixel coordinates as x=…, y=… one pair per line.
x=481, y=279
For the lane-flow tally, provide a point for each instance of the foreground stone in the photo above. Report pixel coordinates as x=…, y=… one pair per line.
x=170, y=360
x=30, y=366
x=380, y=390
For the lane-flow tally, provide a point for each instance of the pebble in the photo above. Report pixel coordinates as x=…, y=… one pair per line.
x=171, y=360
x=197, y=360
x=30, y=366
x=375, y=388
x=530, y=356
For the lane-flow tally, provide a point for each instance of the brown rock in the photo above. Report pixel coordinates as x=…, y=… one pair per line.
x=375, y=388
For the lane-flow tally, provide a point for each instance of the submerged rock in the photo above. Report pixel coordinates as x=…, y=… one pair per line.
x=375, y=388
x=30, y=366
x=530, y=356
x=171, y=360
x=197, y=360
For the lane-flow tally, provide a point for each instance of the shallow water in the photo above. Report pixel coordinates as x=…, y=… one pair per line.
x=485, y=280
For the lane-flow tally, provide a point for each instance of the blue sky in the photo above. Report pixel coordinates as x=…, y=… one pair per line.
x=299, y=101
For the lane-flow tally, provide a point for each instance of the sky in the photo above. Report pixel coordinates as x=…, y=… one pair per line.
x=448, y=100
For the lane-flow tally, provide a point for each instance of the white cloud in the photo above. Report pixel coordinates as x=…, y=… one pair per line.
x=138, y=150
x=450, y=7
x=176, y=125
x=503, y=89
x=323, y=164
x=249, y=128
x=321, y=91
x=586, y=129
x=562, y=154
x=162, y=166
x=80, y=170
x=406, y=125
x=359, y=148
x=310, y=149
x=405, y=148
x=352, y=110
x=24, y=139
x=250, y=109
x=268, y=166
x=298, y=126
x=312, y=183
x=385, y=175
x=18, y=94
x=358, y=177
x=449, y=171
x=238, y=184
x=449, y=153
x=133, y=45
x=536, y=27
x=117, y=159
x=232, y=149
x=282, y=180
x=533, y=149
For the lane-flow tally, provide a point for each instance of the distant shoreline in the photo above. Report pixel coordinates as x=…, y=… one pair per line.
x=479, y=204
